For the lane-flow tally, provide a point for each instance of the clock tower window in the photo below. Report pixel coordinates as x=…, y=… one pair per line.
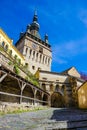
x=40, y=49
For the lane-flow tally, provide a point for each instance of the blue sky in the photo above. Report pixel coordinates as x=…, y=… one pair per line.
x=65, y=22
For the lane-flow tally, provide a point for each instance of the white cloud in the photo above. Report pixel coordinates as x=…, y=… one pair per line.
x=64, y=51
x=83, y=16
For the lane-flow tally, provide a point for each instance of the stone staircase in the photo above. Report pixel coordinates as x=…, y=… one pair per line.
x=67, y=119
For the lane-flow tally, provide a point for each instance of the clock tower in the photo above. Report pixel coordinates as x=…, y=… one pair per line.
x=37, y=52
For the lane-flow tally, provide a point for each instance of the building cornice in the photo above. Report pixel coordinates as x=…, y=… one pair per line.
x=10, y=42
x=37, y=40
x=5, y=36
x=17, y=52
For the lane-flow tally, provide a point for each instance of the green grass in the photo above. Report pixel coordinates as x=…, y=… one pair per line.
x=21, y=111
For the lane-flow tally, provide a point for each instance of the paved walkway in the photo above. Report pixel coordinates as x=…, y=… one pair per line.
x=41, y=120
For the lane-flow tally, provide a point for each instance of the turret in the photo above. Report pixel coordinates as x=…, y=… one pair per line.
x=21, y=34
x=28, y=28
x=46, y=38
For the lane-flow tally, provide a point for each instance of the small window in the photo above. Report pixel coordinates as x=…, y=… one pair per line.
x=43, y=59
x=63, y=87
x=43, y=86
x=51, y=87
x=6, y=47
x=57, y=88
x=40, y=57
x=33, y=67
x=30, y=52
x=46, y=60
x=37, y=57
x=26, y=65
x=33, y=54
x=40, y=49
x=3, y=43
x=26, y=50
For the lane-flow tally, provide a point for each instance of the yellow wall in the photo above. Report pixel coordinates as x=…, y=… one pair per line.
x=82, y=96
x=8, y=41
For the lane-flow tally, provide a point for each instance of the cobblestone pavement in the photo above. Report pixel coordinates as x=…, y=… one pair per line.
x=40, y=120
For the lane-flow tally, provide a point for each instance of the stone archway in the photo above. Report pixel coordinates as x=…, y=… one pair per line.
x=57, y=100
x=28, y=92
x=38, y=95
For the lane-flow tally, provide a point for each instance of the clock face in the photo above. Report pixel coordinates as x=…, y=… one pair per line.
x=34, y=46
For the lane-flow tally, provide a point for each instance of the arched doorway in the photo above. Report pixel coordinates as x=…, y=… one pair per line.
x=57, y=100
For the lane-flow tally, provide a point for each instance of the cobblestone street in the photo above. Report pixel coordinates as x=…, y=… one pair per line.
x=25, y=121
x=42, y=119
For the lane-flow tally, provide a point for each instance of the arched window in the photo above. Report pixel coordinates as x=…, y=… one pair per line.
x=3, y=43
x=26, y=65
x=40, y=57
x=43, y=59
x=30, y=52
x=57, y=88
x=33, y=54
x=6, y=47
x=26, y=50
x=46, y=60
x=33, y=67
x=10, y=52
x=43, y=86
x=37, y=57
x=62, y=88
x=51, y=87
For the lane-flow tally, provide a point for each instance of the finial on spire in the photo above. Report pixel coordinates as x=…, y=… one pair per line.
x=35, y=12
x=35, y=18
x=46, y=38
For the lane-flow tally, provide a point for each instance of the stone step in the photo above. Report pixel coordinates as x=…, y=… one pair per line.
x=73, y=116
x=67, y=119
x=61, y=125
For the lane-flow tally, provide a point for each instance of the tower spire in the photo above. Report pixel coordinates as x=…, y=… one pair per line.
x=33, y=28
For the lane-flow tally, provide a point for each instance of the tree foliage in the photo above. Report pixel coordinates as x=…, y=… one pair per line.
x=83, y=75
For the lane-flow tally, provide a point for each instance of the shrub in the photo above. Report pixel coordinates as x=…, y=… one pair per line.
x=16, y=69
x=9, y=63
